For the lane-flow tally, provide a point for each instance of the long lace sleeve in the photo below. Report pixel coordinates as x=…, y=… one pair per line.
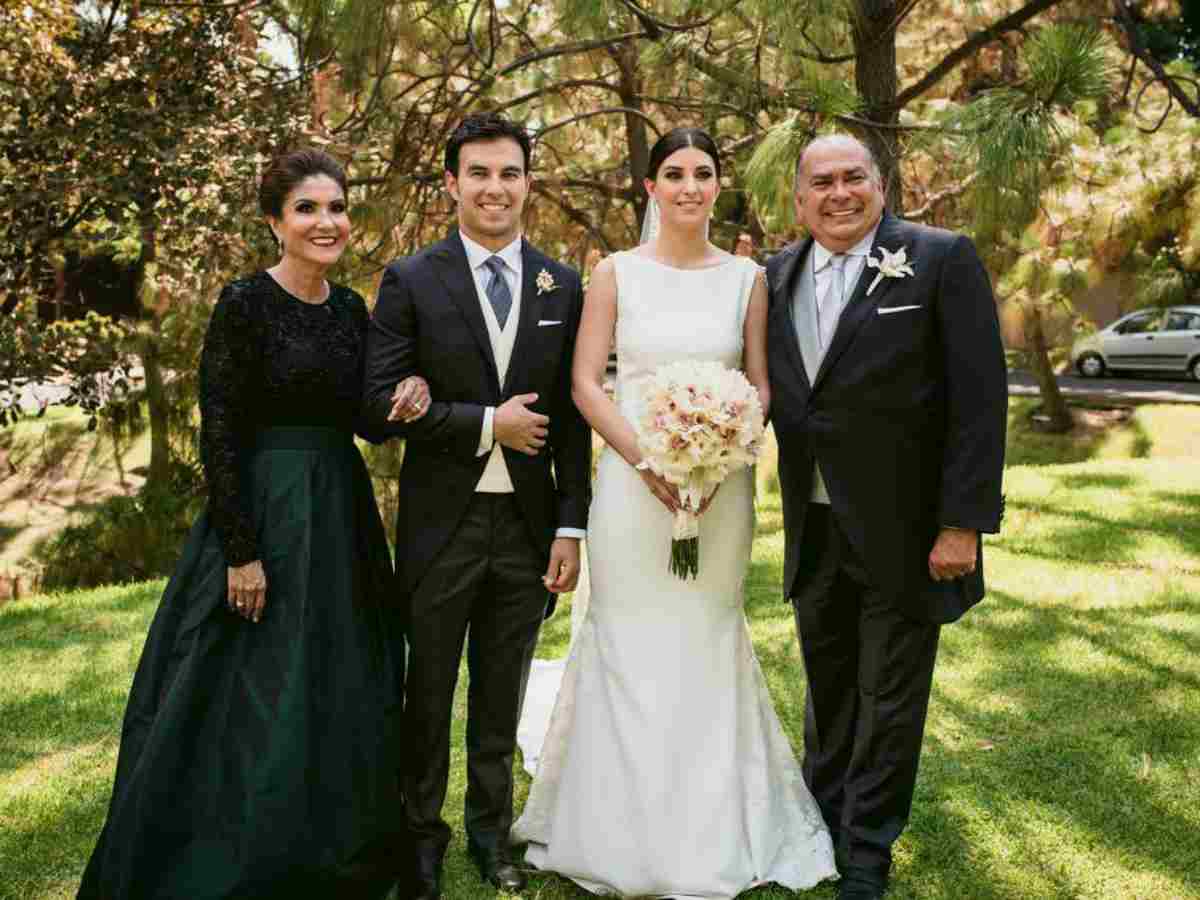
x=362, y=421
x=226, y=367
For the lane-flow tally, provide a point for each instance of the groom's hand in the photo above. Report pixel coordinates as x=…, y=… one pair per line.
x=563, y=571
x=520, y=428
x=954, y=553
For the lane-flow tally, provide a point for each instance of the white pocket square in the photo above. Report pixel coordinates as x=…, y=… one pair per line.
x=544, y=322
x=887, y=310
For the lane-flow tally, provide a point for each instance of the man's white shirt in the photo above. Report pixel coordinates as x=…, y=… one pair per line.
x=495, y=478
x=856, y=261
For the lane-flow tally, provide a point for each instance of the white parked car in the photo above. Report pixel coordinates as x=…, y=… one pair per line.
x=1149, y=340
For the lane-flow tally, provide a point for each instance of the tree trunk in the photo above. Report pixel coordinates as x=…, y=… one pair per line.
x=150, y=346
x=157, y=406
x=1053, y=404
x=876, y=81
x=630, y=89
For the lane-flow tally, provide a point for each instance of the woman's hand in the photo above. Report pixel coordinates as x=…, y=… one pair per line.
x=410, y=400
x=707, y=501
x=666, y=492
x=248, y=590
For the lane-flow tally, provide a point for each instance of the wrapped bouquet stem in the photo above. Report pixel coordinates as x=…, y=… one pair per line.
x=699, y=422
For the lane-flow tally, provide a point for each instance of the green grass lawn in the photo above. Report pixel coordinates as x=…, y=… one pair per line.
x=1062, y=756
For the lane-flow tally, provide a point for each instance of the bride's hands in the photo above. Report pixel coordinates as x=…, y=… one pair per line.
x=704, y=505
x=666, y=492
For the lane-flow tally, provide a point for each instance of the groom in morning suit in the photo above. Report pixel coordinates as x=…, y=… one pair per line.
x=889, y=401
x=495, y=485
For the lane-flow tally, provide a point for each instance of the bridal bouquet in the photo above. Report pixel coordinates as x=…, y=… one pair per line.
x=700, y=421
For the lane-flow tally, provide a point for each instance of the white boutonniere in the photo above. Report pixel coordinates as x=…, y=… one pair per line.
x=890, y=265
x=546, y=282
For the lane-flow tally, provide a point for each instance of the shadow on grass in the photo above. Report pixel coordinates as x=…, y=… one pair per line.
x=42, y=848
x=1086, y=536
x=1142, y=443
x=7, y=533
x=1065, y=758
x=86, y=692
x=1028, y=446
x=1084, y=480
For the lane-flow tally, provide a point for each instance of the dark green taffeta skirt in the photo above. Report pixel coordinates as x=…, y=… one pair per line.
x=259, y=760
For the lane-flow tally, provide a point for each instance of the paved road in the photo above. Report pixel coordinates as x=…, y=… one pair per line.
x=1138, y=388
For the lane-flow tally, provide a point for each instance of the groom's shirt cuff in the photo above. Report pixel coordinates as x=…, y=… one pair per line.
x=486, y=433
x=577, y=533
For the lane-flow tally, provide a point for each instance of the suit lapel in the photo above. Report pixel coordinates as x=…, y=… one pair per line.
x=784, y=289
x=450, y=262
x=532, y=263
x=860, y=308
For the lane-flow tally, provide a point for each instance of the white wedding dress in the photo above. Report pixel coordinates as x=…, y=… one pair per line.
x=665, y=772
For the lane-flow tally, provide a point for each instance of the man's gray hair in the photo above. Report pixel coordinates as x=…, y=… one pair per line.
x=838, y=139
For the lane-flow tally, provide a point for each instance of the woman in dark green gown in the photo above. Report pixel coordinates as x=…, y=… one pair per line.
x=259, y=748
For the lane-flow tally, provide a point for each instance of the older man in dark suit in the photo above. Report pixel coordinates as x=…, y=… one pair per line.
x=889, y=400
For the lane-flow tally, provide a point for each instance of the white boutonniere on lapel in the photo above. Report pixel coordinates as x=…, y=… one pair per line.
x=890, y=265
x=545, y=282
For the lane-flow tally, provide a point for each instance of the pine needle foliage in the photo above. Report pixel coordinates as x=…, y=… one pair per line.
x=770, y=173
x=1013, y=134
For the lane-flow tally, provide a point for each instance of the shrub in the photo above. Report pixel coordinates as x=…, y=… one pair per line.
x=124, y=538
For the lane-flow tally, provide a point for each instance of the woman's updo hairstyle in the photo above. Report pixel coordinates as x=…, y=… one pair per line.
x=289, y=169
x=677, y=139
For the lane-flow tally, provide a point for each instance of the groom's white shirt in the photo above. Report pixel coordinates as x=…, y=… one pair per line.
x=816, y=281
x=495, y=478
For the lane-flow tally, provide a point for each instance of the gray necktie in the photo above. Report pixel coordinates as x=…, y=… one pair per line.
x=497, y=290
x=829, y=307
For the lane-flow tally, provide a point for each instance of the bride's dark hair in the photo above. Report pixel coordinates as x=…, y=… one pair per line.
x=678, y=138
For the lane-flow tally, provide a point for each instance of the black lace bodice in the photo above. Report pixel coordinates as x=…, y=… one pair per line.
x=270, y=359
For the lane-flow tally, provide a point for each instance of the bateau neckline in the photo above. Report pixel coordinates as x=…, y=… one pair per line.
x=662, y=265
x=325, y=302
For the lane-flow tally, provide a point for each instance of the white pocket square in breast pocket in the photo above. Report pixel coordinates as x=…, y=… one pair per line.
x=542, y=323
x=888, y=310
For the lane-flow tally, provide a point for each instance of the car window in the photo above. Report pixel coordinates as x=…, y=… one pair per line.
x=1141, y=324
x=1180, y=321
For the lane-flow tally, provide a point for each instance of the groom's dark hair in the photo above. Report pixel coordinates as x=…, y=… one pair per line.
x=486, y=127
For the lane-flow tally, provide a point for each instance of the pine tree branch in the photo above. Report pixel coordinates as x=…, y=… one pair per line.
x=1011, y=22
x=570, y=49
x=555, y=88
x=575, y=215
x=819, y=54
x=653, y=24
x=1124, y=15
x=600, y=187
x=608, y=110
x=953, y=191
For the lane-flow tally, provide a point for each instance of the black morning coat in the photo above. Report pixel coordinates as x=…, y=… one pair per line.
x=906, y=416
x=428, y=322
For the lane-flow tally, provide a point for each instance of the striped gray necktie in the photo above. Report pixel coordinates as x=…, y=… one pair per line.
x=497, y=290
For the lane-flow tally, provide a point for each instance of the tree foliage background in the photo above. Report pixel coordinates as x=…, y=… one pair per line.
x=1062, y=134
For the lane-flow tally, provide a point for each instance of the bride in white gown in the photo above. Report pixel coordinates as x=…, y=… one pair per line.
x=665, y=772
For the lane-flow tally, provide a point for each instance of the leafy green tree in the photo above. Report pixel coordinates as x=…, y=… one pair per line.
x=137, y=129
x=1014, y=137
